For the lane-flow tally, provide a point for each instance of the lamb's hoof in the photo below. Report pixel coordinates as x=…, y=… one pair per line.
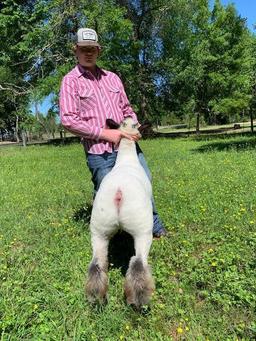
x=96, y=286
x=160, y=233
x=143, y=310
x=95, y=299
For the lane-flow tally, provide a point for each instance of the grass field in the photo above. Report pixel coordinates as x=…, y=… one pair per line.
x=204, y=270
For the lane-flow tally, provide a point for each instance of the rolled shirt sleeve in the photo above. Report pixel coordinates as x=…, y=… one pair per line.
x=70, y=111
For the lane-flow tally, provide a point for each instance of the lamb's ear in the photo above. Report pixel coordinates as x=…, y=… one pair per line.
x=112, y=124
x=144, y=127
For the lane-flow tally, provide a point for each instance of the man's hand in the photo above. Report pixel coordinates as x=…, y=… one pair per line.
x=114, y=135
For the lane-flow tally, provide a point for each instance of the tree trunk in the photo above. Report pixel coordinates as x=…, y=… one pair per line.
x=24, y=138
x=48, y=133
x=28, y=135
x=197, y=123
x=251, y=116
x=37, y=111
x=143, y=107
x=17, y=129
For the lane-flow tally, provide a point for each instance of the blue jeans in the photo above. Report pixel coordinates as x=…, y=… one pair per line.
x=100, y=165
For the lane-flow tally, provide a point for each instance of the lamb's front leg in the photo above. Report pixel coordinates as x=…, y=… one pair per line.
x=97, y=281
x=139, y=283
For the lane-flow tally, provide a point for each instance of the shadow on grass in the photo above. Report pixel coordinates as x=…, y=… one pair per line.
x=238, y=145
x=191, y=133
x=83, y=213
x=207, y=137
x=121, y=245
x=57, y=142
x=66, y=141
x=204, y=135
x=63, y=142
x=121, y=249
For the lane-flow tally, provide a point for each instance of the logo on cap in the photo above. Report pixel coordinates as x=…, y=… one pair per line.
x=88, y=35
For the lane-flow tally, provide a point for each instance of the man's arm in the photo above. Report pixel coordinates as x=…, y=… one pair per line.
x=70, y=115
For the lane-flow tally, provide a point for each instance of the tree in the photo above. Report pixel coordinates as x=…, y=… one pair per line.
x=50, y=121
x=18, y=61
x=145, y=50
x=185, y=51
x=252, y=104
x=208, y=62
x=228, y=71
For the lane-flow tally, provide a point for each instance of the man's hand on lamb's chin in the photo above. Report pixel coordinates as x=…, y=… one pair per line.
x=114, y=135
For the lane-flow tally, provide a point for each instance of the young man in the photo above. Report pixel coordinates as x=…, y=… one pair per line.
x=89, y=95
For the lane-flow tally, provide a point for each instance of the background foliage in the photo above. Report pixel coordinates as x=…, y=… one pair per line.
x=181, y=61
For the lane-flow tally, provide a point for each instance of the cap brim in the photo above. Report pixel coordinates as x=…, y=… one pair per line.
x=88, y=43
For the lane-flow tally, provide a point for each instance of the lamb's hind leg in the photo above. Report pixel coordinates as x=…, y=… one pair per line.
x=97, y=281
x=139, y=283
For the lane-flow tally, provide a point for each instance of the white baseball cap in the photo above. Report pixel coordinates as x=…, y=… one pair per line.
x=87, y=37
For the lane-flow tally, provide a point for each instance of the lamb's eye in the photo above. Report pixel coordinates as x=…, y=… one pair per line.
x=134, y=126
x=124, y=124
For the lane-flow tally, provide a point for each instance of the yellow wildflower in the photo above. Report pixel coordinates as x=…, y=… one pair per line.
x=179, y=330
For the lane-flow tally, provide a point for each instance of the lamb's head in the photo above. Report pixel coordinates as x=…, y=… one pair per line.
x=127, y=125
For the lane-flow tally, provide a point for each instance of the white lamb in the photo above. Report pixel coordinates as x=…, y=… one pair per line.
x=123, y=201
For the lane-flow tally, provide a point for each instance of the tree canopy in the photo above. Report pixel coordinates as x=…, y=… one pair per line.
x=180, y=61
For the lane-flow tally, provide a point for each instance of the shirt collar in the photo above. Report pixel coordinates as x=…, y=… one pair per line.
x=80, y=71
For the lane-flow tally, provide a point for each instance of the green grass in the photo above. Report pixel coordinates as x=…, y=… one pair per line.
x=204, y=271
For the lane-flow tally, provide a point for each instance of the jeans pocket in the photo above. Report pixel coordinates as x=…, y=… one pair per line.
x=94, y=161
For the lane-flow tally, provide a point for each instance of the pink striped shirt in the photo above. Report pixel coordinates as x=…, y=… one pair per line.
x=87, y=101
